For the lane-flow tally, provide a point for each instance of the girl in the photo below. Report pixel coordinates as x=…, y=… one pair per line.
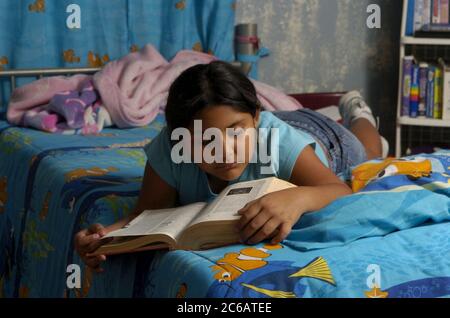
x=310, y=156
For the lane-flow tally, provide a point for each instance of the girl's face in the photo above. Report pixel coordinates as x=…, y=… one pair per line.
x=236, y=145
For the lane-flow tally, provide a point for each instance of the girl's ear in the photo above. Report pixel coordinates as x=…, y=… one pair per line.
x=256, y=118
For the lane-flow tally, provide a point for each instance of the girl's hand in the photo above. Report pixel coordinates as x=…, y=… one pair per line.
x=271, y=216
x=87, y=241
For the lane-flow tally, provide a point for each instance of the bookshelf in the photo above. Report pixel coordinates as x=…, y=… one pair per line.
x=425, y=122
x=410, y=40
x=406, y=43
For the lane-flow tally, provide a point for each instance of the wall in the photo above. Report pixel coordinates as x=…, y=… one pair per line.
x=325, y=45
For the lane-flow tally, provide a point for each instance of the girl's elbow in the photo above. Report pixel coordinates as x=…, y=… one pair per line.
x=345, y=189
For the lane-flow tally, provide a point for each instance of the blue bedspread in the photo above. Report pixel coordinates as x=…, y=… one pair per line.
x=53, y=185
x=391, y=240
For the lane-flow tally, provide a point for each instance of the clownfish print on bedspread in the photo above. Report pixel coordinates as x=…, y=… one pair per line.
x=249, y=274
x=399, y=175
x=366, y=173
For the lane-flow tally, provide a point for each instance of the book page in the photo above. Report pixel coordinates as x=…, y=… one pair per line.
x=232, y=199
x=170, y=222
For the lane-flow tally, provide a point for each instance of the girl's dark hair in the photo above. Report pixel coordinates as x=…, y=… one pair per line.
x=205, y=85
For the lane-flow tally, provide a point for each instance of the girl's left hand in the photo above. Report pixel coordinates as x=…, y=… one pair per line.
x=271, y=216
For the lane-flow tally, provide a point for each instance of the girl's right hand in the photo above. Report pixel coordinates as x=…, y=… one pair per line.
x=89, y=240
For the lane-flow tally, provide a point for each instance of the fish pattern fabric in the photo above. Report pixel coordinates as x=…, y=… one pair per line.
x=53, y=185
x=391, y=239
x=91, y=33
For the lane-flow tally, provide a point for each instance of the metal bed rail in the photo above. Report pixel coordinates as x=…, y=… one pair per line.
x=41, y=72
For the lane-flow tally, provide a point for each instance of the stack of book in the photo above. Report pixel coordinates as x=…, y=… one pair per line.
x=428, y=18
x=426, y=89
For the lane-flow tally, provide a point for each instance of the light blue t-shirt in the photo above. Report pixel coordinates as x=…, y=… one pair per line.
x=191, y=182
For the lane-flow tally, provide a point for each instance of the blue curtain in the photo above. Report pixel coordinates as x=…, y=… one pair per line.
x=79, y=33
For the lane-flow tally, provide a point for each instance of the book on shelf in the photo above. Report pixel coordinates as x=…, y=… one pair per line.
x=427, y=18
x=197, y=226
x=437, y=111
x=445, y=89
x=422, y=89
x=445, y=12
x=439, y=11
x=423, y=82
x=415, y=94
x=429, y=110
x=435, y=11
x=422, y=13
x=410, y=18
x=408, y=63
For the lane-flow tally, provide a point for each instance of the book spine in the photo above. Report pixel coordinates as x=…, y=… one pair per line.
x=418, y=14
x=437, y=113
x=430, y=93
x=414, y=97
x=435, y=11
x=426, y=19
x=410, y=18
x=445, y=11
x=446, y=92
x=423, y=80
x=407, y=73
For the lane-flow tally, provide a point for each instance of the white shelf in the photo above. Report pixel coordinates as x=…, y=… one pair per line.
x=427, y=122
x=406, y=41
x=409, y=40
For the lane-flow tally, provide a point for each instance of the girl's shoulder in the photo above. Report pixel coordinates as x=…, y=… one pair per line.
x=269, y=120
x=288, y=134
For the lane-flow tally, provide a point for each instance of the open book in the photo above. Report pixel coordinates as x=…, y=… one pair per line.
x=196, y=226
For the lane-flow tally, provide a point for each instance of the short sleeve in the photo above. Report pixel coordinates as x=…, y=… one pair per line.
x=158, y=154
x=291, y=143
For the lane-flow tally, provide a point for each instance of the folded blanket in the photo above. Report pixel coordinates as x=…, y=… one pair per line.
x=132, y=90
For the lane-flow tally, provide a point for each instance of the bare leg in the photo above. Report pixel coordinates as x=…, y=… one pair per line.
x=369, y=137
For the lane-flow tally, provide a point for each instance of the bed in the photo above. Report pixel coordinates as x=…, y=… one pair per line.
x=390, y=240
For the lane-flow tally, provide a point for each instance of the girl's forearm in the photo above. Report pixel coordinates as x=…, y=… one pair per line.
x=315, y=198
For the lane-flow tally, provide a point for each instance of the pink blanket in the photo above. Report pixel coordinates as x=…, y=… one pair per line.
x=133, y=89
